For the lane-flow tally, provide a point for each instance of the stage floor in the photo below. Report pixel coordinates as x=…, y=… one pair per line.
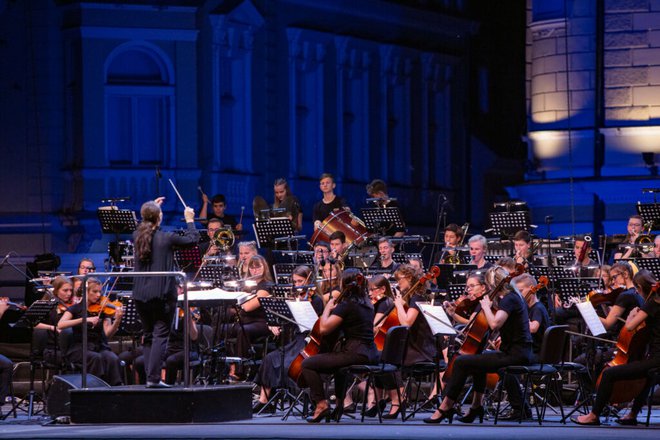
x=264, y=427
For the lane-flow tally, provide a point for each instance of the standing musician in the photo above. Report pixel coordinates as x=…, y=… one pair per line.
x=512, y=321
x=385, y=252
x=101, y=361
x=478, y=248
x=453, y=236
x=246, y=250
x=353, y=316
x=635, y=226
x=283, y=198
x=330, y=201
x=522, y=243
x=649, y=313
x=270, y=370
x=6, y=365
x=219, y=204
x=377, y=189
x=155, y=297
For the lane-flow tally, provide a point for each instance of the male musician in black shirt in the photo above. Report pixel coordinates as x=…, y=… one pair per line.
x=155, y=297
x=377, y=189
x=218, y=204
x=538, y=314
x=330, y=201
x=478, y=249
x=384, y=262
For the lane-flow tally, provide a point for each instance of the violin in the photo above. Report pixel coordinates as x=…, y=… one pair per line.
x=194, y=313
x=597, y=297
x=465, y=307
x=630, y=346
x=104, y=307
x=13, y=305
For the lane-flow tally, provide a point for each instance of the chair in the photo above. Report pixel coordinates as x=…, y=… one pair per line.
x=654, y=378
x=552, y=352
x=415, y=374
x=391, y=360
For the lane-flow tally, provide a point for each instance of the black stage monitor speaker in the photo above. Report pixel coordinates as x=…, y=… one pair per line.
x=58, y=401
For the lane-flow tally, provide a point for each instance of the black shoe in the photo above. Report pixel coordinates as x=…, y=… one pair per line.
x=373, y=411
x=449, y=415
x=627, y=421
x=350, y=409
x=472, y=414
x=594, y=423
x=515, y=414
x=259, y=408
x=395, y=414
x=325, y=414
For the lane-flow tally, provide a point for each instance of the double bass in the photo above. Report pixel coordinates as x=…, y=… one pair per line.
x=478, y=329
x=630, y=346
x=391, y=318
x=318, y=343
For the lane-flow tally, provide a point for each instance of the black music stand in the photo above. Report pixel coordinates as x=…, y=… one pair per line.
x=267, y=231
x=295, y=256
x=506, y=224
x=455, y=291
x=382, y=219
x=401, y=258
x=36, y=313
x=650, y=264
x=572, y=288
x=130, y=324
x=447, y=273
x=188, y=259
x=278, y=314
x=650, y=212
x=281, y=291
x=217, y=273
x=283, y=271
x=116, y=221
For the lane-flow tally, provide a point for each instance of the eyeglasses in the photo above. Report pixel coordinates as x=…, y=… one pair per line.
x=471, y=286
x=213, y=229
x=614, y=275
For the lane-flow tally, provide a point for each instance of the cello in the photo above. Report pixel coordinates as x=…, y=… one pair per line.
x=476, y=331
x=630, y=346
x=391, y=318
x=318, y=343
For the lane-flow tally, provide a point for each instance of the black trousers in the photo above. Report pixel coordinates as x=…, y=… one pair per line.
x=245, y=334
x=633, y=370
x=156, y=316
x=329, y=363
x=6, y=369
x=479, y=365
x=101, y=362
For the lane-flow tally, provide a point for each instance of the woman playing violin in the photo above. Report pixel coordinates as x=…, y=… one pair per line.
x=269, y=373
x=649, y=313
x=475, y=287
x=512, y=321
x=353, y=316
x=621, y=277
x=101, y=361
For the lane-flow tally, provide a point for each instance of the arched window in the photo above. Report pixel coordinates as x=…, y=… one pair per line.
x=139, y=91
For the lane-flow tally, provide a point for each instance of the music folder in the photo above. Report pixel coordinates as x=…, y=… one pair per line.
x=303, y=313
x=590, y=317
x=437, y=319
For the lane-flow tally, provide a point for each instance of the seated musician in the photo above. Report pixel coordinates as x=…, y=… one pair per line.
x=321, y=253
x=512, y=321
x=384, y=262
x=246, y=250
x=101, y=361
x=283, y=198
x=621, y=276
x=478, y=248
x=507, y=263
x=174, y=356
x=47, y=329
x=453, y=236
x=270, y=370
x=331, y=275
x=583, y=264
x=539, y=319
x=338, y=245
x=377, y=189
x=475, y=286
x=417, y=264
x=251, y=319
x=85, y=266
x=353, y=316
x=330, y=201
x=638, y=369
x=522, y=243
x=6, y=365
x=218, y=205
x=634, y=229
x=655, y=253
x=211, y=248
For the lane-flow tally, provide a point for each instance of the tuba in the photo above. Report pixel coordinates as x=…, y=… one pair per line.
x=223, y=238
x=644, y=241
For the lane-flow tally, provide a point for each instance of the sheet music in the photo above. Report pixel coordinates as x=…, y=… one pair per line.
x=437, y=319
x=590, y=317
x=304, y=314
x=214, y=294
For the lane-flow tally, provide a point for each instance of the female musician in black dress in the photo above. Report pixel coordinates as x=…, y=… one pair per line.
x=649, y=312
x=353, y=316
x=63, y=291
x=101, y=360
x=512, y=320
x=155, y=297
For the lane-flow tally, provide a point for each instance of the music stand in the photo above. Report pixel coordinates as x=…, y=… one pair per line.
x=283, y=271
x=188, y=259
x=571, y=288
x=455, y=291
x=382, y=219
x=130, y=325
x=447, y=273
x=116, y=221
x=401, y=258
x=281, y=290
x=650, y=264
x=296, y=257
x=217, y=273
x=506, y=224
x=268, y=230
x=650, y=212
x=36, y=313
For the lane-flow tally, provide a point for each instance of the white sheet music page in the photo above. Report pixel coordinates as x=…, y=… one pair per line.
x=590, y=317
x=437, y=319
x=303, y=313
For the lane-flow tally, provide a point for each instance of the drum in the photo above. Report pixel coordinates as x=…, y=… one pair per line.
x=121, y=253
x=344, y=221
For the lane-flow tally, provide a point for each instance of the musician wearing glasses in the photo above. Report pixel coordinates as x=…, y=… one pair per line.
x=85, y=266
x=621, y=276
x=475, y=286
x=634, y=229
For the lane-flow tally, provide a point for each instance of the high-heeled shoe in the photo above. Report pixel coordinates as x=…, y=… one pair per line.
x=472, y=414
x=325, y=414
x=628, y=421
x=395, y=414
x=372, y=411
x=448, y=414
x=350, y=409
